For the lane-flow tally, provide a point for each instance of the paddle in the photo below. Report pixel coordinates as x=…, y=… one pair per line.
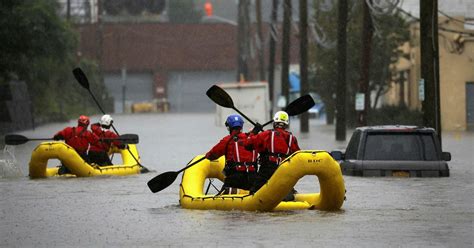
x=84, y=82
x=164, y=180
x=298, y=106
x=16, y=139
x=125, y=138
x=219, y=96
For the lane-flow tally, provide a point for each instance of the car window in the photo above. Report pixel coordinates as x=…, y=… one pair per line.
x=430, y=148
x=399, y=146
x=351, y=151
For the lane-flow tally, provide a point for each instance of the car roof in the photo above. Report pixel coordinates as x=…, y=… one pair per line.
x=395, y=128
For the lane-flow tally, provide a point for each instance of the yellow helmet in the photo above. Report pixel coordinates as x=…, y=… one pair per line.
x=281, y=117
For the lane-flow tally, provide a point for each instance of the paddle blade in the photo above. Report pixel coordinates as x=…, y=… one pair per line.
x=81, y=77
x=162, y=181
x=129, y=138
x=219, y=96
x=300, y=105
x=15, y=139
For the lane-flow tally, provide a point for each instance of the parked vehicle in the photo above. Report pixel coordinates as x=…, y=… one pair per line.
x=406, y=151
x=318, y=109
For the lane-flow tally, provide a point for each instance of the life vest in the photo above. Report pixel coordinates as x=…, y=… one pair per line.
x=78, y=140
x=277, y=146
x=237, y=157
x=103, y=145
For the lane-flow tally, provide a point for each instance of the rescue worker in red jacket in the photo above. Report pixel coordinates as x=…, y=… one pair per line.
x=240, y=166
x=273, y=147
x=78, y=138
x=99, y=152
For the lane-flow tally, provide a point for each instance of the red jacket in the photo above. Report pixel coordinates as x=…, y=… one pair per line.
x=78, y=138
x=276, y=143
x=233, y=149
x=103, y=145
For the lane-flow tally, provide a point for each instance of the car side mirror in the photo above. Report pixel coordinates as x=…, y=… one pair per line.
x=446, y=156
x=337, y=155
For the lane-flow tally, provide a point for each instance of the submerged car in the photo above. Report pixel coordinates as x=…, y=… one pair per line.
x=317, y=110
x=406, y=151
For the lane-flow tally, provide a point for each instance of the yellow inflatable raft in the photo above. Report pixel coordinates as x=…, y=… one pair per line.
x=268, y=198
x=78, y=167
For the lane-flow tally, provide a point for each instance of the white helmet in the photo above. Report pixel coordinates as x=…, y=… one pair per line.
x=106, y=120
x=281, y=117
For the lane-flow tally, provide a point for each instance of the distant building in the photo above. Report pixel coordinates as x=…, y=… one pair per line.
x=169, y=62
x=456, y=61
x=145, y=58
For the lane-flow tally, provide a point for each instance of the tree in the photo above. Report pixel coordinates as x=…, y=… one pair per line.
x=303, y=4
x=341, y=66
x=31, y=30
x=285, y=50
x=39, y=47
x=390, y=32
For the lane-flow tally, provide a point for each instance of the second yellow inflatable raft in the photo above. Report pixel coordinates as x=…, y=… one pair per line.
x=269, y=197
x=77, y=166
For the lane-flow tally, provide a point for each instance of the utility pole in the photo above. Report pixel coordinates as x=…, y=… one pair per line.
x=430, y=64
x=68, y=10
x=341, y=80
x=285, y=51
x=260, y=44
x=304, y=121
x=367, y=32
x=273, y=39
x=243, y=40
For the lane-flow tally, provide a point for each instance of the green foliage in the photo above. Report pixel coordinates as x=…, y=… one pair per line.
x=183, y=11
x=31, y=30
x=395, y=115
x=39, y=47
x=57, y=96
x=391, y=31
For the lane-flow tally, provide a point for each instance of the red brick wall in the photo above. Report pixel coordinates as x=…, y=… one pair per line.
x=165, y=46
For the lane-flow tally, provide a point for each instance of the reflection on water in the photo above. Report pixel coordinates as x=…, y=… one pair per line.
x=121, y=211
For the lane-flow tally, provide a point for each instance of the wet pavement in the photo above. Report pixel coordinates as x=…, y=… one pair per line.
x=121, y=211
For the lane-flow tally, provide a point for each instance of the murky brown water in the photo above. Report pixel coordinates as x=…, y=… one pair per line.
x=121, y=211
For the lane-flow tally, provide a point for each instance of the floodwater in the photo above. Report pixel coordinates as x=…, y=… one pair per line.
x=121, y=211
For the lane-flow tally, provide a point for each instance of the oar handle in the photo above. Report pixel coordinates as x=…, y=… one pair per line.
x=95, y=100
x=81, y=78
x=298, y=106
x=242, y=114
x=266, y=123
x=113, y=127
x=193, y=163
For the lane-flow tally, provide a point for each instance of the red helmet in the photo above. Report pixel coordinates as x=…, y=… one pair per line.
x=83, y=121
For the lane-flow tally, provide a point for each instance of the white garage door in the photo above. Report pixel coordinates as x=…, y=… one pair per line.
x=138, y=88
x=187, y=90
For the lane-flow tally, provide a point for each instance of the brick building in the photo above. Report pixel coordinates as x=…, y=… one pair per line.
x=165, y=61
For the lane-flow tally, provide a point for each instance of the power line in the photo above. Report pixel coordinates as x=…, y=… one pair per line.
x=455, y=19
x=456, y=31
x=441, y=28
